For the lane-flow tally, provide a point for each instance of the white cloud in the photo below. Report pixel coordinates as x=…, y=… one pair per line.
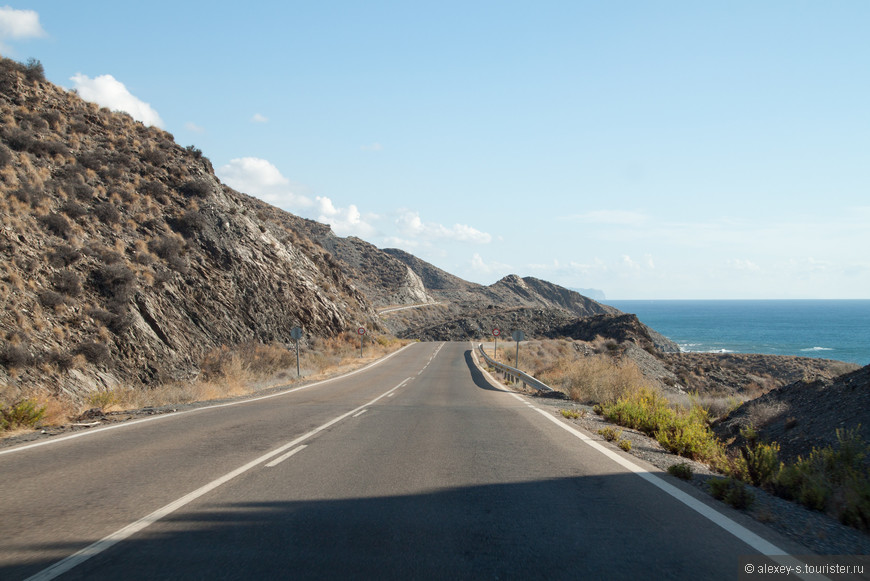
x=479, y=266
x=19, y=24
x=260, y=178
x=257, y=118
x=410, y=224
x=739, y=264
x=251, y=174
x=344, y=221
x=646, y=262
x=191, y=126
x=107, y=91
x=372, y=147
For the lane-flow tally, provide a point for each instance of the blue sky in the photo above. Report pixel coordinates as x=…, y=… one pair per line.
x=653, y=150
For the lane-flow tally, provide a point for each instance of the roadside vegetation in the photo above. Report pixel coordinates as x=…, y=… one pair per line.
x=834, y=479
x=225, y=372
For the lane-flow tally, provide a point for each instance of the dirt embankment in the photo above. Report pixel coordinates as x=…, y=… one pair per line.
x=804, y=415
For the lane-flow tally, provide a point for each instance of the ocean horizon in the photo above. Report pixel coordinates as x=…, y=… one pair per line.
x=827, y=329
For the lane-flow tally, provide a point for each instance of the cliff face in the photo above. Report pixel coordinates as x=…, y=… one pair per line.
x=124, y=259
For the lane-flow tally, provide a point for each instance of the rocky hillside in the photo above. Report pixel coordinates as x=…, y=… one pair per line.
x=448, y=308
x=124, y=259
x=805, y=414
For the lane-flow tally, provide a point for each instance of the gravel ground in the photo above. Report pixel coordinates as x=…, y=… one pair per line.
x=816, y=531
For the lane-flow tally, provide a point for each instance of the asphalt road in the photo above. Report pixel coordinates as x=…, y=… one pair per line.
x=416, y=468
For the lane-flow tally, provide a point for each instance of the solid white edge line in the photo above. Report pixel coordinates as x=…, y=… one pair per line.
x=360, y=413
x=280, y=459
x=98, y=547
x=199, y=409
x=755, y=541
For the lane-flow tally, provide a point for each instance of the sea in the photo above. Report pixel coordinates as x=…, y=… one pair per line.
x=828, y=329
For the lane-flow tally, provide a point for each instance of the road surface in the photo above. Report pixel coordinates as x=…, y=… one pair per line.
x=415, y=468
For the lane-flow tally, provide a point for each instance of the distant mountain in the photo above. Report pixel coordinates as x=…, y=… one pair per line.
x=592, y=293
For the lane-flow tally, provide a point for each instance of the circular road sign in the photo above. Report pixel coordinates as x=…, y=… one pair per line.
x=496, y=332
x=361, y=331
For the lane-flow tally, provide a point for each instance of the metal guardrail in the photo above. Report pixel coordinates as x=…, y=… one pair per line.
x=515, y=374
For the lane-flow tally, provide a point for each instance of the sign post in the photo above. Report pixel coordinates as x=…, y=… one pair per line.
x=296, y=333
x=518, y=336
x=495, y=333
x=362, y=333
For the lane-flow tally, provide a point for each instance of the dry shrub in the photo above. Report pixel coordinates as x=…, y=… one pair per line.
x=247, y=361
x=716, y=406
x=597, y=379
x=58, y=411
x=762, y=413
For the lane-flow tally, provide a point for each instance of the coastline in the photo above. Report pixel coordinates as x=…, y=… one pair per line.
x=837, y=330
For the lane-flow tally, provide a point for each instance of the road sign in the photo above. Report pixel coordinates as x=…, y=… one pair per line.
x=518, y=336
x=362, y=332
x=296, y=333
x=496, y=332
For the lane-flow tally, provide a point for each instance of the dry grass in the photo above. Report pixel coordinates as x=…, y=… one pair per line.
x=226, y=372
x=564, y=365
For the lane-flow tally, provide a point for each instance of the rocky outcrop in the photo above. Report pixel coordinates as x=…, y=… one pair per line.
x=433, y=278
x=383, y=279
x=622, y=328
x=545, y=323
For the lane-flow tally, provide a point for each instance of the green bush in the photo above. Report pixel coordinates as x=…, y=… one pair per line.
x=95, y=353
x=836, y=480
x=57, y=224
x=681, y=470
x=34, y=71
x=625, y=445
x=15, y=356
x=67, y=282
x=5, y=156
x=762, y=463
x=610, y=433
x=683, y=431
x=26, y=413
x=195, y=188
x=64, y=255
x=103, y=399
x=731, y=491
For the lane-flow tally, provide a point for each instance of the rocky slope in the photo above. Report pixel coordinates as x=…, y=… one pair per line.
x=805, y=414
x=124, y=259
x=459, y=310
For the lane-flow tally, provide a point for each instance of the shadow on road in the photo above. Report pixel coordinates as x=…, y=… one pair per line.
x=589, y=527
x=476, y=375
